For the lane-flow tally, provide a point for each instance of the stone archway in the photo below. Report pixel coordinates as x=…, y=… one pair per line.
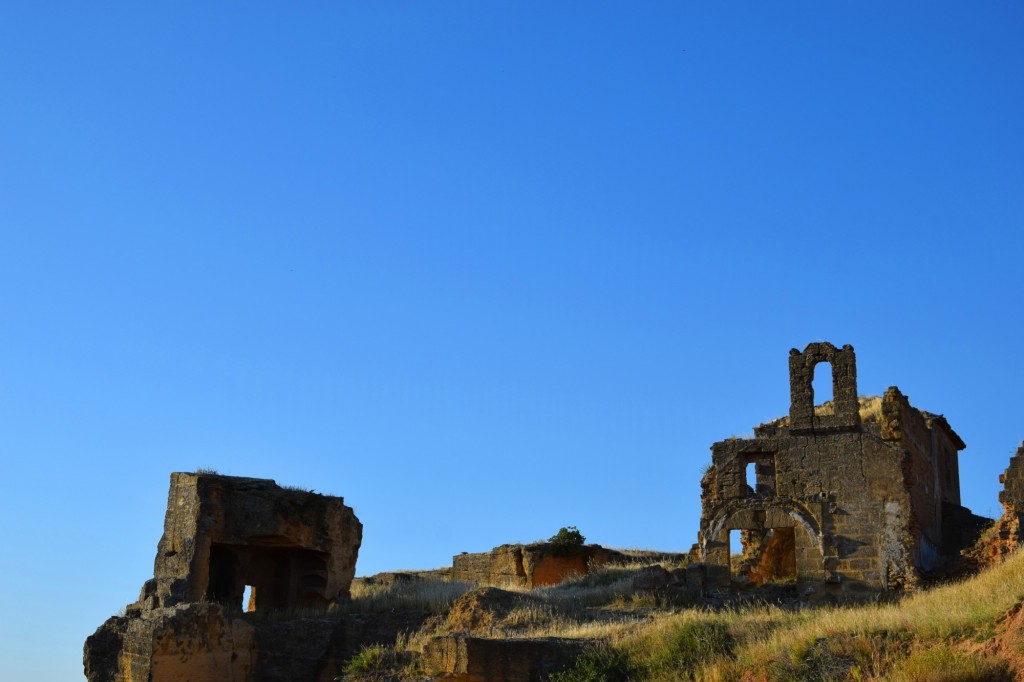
x=799, y=541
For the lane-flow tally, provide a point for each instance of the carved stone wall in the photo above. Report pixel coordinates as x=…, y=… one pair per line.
x=222, y=533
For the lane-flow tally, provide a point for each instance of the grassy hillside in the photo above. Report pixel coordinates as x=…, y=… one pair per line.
x=970, y=630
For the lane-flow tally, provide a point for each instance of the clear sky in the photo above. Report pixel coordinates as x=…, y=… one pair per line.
x=484, y=269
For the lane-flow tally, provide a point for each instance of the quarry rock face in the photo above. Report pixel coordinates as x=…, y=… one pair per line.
x=830, y=500
x=529, y=566
x=222, y=534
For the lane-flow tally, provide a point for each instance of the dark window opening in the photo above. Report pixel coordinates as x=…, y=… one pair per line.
x=759, y=474
x=225, y=571
x=272, y=578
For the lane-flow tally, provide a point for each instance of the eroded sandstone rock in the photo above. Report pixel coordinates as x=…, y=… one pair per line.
x=541, y=563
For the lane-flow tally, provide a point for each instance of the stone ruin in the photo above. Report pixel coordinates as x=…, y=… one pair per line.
x=1005, y=536
x=856, y=494
x=852, y=496
x=292, y=549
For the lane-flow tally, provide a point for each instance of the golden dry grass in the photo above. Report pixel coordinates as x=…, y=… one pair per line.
x=925, y=636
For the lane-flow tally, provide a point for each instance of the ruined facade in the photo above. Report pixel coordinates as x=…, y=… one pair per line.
x=855, y=494
x=222, y=534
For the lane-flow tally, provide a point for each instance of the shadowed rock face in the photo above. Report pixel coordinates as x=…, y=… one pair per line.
x=292, y=548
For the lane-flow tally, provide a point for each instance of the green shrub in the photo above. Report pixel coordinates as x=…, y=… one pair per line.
x=567, y=540
x=599, y=664
x=370, y=662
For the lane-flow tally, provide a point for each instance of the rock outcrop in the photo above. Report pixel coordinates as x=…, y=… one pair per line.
x=540, y=564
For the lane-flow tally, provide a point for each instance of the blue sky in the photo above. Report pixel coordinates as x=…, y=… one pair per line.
x=483, y=269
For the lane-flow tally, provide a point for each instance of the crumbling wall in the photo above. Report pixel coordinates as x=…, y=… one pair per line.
x=1005, y=536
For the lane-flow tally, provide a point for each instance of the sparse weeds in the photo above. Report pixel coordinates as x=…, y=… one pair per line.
x=379, y=663
x=299, y=489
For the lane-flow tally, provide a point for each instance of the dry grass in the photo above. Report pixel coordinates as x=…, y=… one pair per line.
x=426, y=594
x=931, y=635
x=870, y=411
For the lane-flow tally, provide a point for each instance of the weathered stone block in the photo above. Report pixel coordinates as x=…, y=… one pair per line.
x=475, y=659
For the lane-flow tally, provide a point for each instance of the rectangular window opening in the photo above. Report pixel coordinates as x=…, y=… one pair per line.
x=249, y=598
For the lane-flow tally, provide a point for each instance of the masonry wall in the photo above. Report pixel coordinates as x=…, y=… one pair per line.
x=866, y=501
x=842, y=494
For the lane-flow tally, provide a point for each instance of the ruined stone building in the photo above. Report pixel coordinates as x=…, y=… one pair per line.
x=855, y=494
x=222, y=534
